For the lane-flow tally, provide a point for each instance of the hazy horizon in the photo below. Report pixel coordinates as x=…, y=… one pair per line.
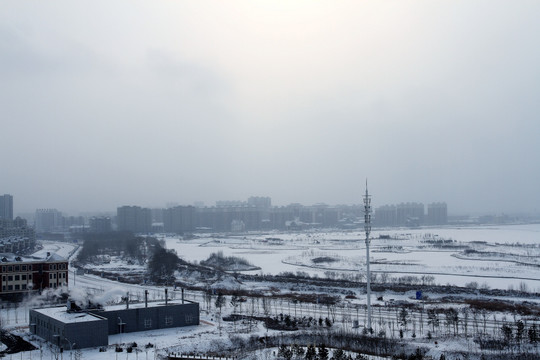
x=143, y=103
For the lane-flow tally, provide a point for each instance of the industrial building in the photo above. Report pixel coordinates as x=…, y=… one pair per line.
x=69, y=329
x=73, y=327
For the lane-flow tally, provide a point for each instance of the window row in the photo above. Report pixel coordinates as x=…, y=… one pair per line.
x=60, y=276
x=189, y=319
x=17, y=268
x=14, y=287
x=16, y=277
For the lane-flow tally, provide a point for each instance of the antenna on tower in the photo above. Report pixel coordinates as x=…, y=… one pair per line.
x=367, y=229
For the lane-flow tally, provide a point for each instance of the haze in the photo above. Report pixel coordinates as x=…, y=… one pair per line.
x=105, y=103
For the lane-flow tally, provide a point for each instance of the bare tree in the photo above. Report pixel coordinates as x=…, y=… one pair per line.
x=220, y=301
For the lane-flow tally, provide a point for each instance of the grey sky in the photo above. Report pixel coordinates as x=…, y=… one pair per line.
x=128, y=102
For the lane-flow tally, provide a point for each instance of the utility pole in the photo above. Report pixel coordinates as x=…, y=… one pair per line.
x=367, y=229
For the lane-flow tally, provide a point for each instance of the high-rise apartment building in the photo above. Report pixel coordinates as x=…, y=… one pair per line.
x=263, y=202
x=437, y=214
x=6, y=207
x=179, y=219
x=47, y=220
x=134, y=218
x=410, y=214
x=100, y=224
x=385, y=215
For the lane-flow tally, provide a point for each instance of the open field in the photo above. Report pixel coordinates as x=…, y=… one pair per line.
x=499, y=257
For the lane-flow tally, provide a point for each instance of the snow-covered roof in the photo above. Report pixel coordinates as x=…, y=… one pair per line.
x=55, y=257
x=142, y=305
x=60, y=313
x=10, y=257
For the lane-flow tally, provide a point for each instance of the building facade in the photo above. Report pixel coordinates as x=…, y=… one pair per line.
x=16, y=237
x=47, y=220
x=69, y=328
x=411, y=214
x=134, y=218
x=179, y=219
x=19, y=275
x=437, y=214
x=100, y=224
x=6, y=207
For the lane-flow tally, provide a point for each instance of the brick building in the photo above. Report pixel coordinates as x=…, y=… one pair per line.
x=19, y=275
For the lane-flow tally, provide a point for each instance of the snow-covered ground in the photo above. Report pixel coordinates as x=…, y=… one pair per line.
x=507, y=256
x=404, y=252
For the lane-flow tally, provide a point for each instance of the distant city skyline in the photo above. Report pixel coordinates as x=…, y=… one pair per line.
x=250, y=200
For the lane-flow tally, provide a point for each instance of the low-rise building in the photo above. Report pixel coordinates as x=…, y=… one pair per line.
x=20, y=275
x=76, y=328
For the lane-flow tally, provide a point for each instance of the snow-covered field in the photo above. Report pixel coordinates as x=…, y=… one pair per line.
x=504, y=256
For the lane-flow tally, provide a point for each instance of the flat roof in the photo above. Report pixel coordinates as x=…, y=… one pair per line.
x=141, y=305
x=60, y=313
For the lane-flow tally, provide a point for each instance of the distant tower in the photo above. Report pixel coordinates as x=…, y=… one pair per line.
x=367, y=228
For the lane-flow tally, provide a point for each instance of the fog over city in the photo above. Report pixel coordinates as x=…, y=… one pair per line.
x=104, y=104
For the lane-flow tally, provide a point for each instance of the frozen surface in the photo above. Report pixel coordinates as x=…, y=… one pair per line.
x=507, y=256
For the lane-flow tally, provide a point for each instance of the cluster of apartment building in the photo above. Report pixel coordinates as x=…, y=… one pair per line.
x=15, y=234
x=255, y=214
x=260, y=215
x=411, y=214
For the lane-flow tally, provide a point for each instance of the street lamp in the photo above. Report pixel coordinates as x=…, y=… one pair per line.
x=70, y=348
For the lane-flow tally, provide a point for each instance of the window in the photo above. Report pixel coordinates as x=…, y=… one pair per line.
x=24, y=286
x=147, y=323
x=23, y=277
x=4, y=278
x=50, y=276
x=10, y=287
x=189, y=318
x=168, y=320
x=10, y=268
x=23, y=268
x=3, y=287
x=17, y=278
x=10, y=278
x=3, y=269
x=17, y=268
x=29, y=276
x=17, y=287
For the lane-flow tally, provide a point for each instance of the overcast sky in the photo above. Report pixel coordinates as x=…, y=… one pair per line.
x=109, y=103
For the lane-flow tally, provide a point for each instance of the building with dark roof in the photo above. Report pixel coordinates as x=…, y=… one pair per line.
x=76, y=328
